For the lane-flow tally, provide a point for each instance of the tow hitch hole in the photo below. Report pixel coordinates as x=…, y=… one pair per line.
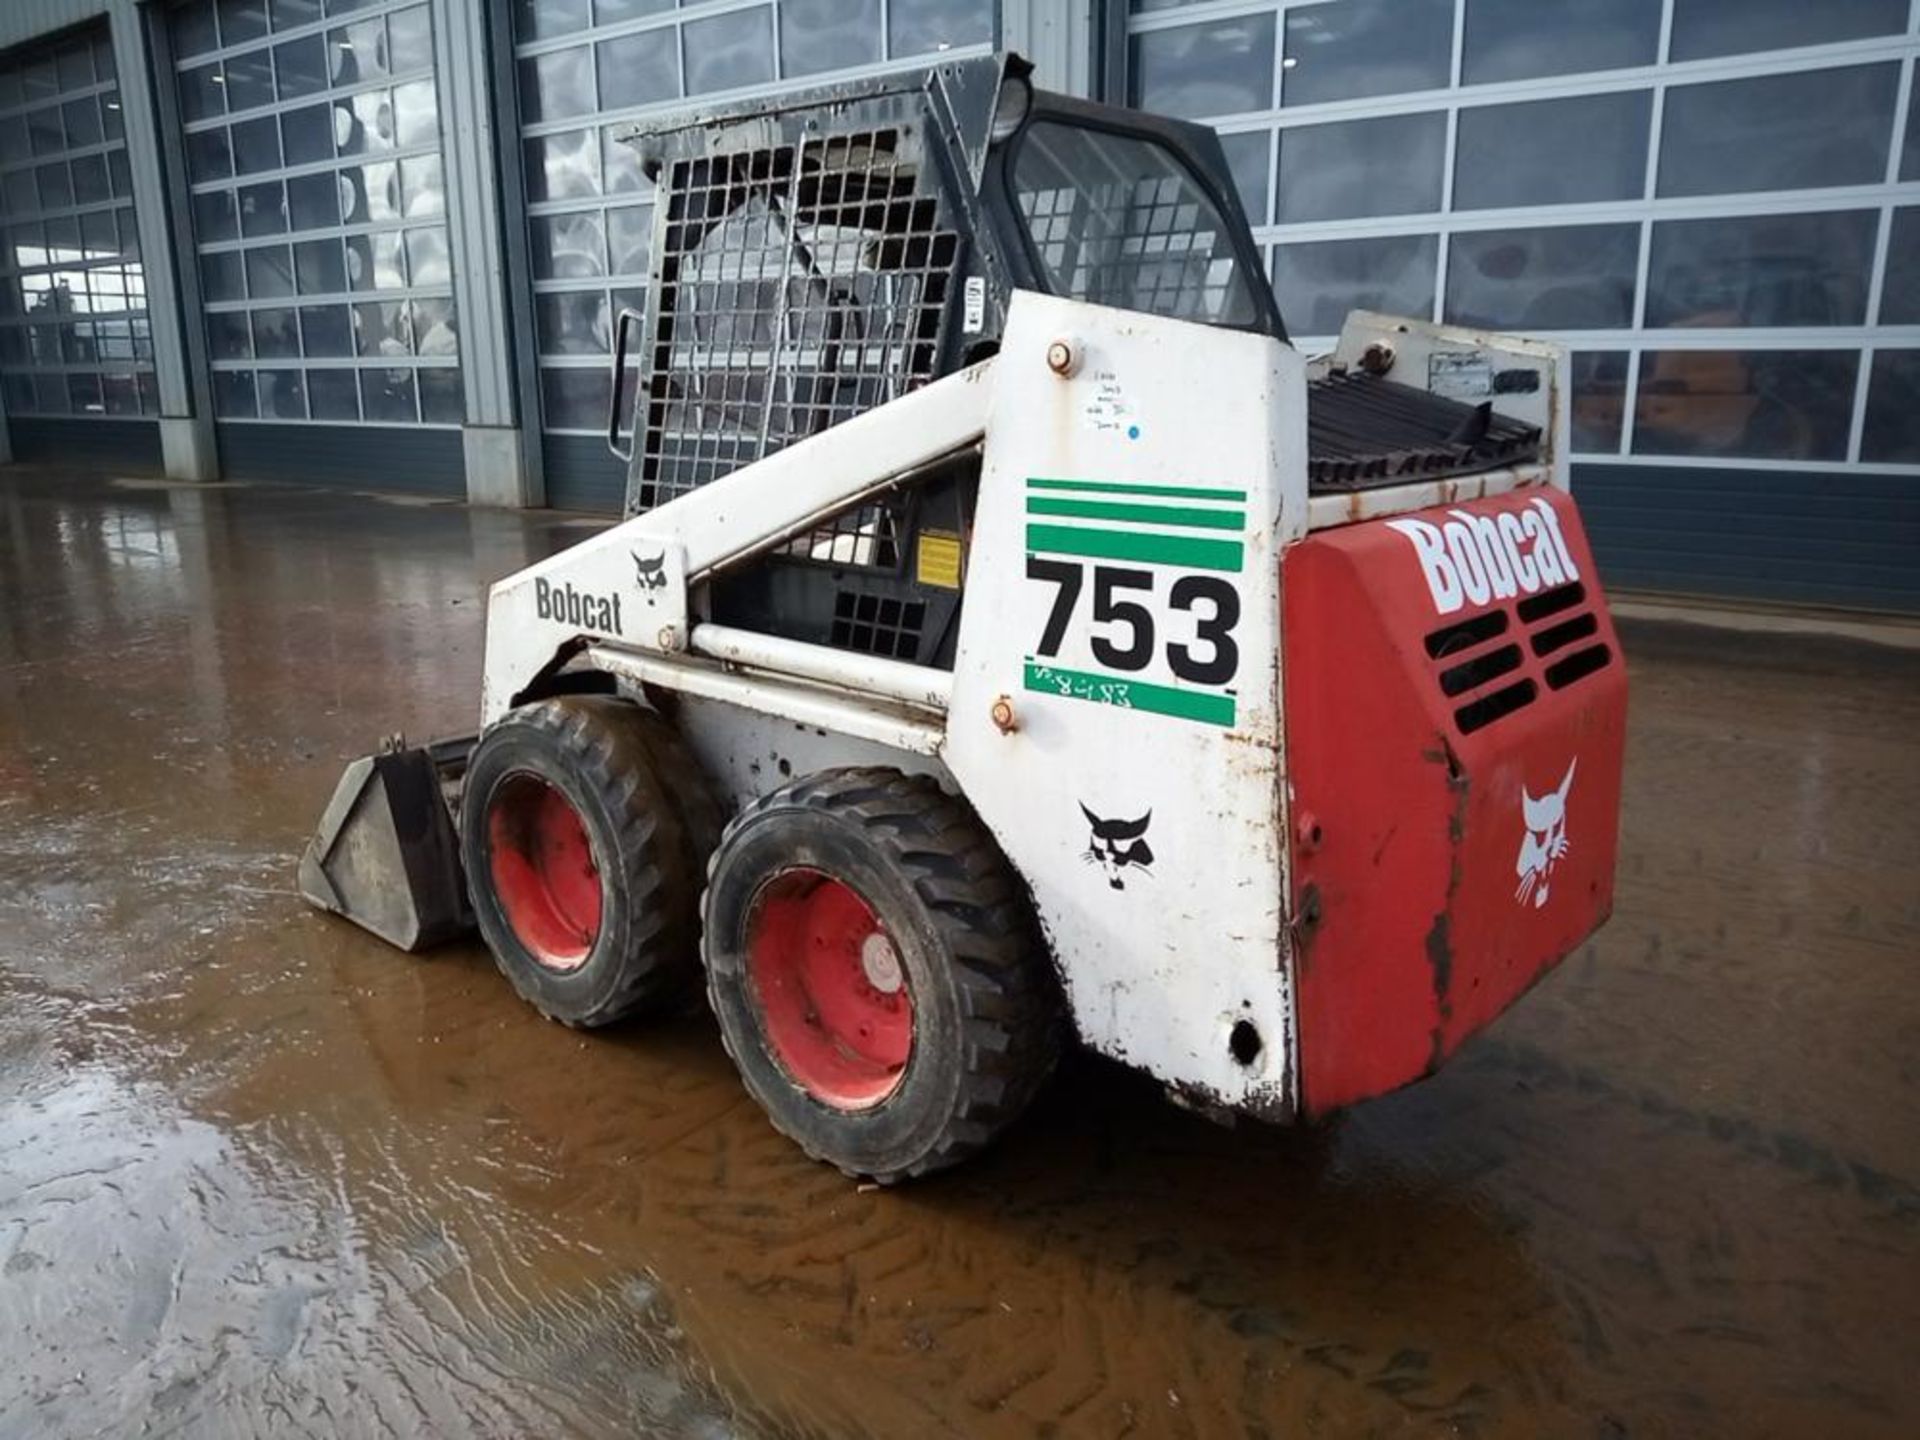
x=1244, y=1042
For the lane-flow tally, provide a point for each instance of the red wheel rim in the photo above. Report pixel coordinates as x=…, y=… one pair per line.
x=543, y=872
x=833, y=994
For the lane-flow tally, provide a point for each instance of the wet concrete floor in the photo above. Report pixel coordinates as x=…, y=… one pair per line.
x=259, y=1174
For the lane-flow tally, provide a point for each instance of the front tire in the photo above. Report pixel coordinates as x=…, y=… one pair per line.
x=877, y=972
x=583, y=866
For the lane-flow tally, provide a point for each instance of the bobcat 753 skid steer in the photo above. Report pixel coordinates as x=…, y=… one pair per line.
x=1013, y=637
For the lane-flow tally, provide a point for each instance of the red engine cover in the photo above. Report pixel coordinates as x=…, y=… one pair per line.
x=1455, y=710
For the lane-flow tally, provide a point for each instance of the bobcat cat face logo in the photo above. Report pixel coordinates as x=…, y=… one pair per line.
x=1117, y=846
x=1545, y=843
x=651, y=573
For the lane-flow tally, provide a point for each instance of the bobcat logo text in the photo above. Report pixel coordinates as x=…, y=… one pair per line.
x=1473, y=559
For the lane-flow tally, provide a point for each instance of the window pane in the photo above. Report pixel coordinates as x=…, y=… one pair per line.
x=564, y=166
x=629, y=237
x=382, y=329
x=622, y=162
x=313, y=201
x=574, y=324
x=1366, y=47
x=427, y=257
x=82, y=119
x=249, y=80
x=318, y=268
x=1251, y=164
x=1778, y=132
x=1389, y=166
x=90, y=180
x=568, y=247
x=1599, y=401
x=56, y=187
x=208, y=157
x=242, y=20
x=1900, y=291
x=357, y=52
x=1702, y=28
x=287, y=14
x=1219, y=68
x=638, y=69
x=276, y=334
x=915, y=27
x=300, y=66
x=202, y=93
x=378, y=195
x=1760, y=404
x=818, y=35
x=410, y=40
x=442, y=402
x=416, y=114
x=1910, y=147
x=193, y=32
x=557, y=85
x=283, y=395
x=435, y=330
x=543, y=19
x=325, y=331
x=221, y=276
x=576, y=399
x=1762, y=270
x=388, y=395
x=229, y=336
x=1892, y=433
x=1575, y=277
x=256, y=145
x=308, y=134
x=233, y=394
x=728, y=51
x=376, y=262
x=422, y=191
x=269, y=272
x=1553, y=152
x=1318, y=283
x=333, y=394
x=263, y=209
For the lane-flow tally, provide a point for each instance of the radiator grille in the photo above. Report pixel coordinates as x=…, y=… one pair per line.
x=1483, y=670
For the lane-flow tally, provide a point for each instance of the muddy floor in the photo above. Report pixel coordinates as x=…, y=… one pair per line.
x=259, y=1174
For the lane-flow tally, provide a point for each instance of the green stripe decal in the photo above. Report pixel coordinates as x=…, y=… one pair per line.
x=1184, y=515
x=1192, y=552
x=1208, y=707
x=1114, y=487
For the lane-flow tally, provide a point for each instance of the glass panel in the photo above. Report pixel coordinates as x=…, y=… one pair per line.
x=56, y=187
x=564, y=166
x=1219, y=68
x=313, y=201
x=555, y=86
x=111, y=118
x=382, y=329
x=193, y=32
x=576, y=399
x=283, y=395
x=1318, y=283
x=325, y=330
x=1900, y=290
x=269, y=272
x=1251, y=164
x=1778, y=132
x=629, y=238
x=1575, y=277
x=99, y=237
x=84, y=393
x=263, y=209
x=249, y=80
x=1522, y=39
x=1366, y=47
x=287, y=14
x=376, y=262
x=422, y=191
x=363, y=124
x=1703, y=28
x=915, y=27
x=82, y=119
x=1389, y=166
x=574, y=324
x=1769, y=404
x=45, y=132
x=75, y=66
x=568, y=247
x=427, y=256
x=728, y=52
x=121, y=393
x=333, y=394
x=1520, y=154
x=818, y=35
x=221, y=276
x=435, y=329
x=117, y=174
x=308, y=134
x=50, y=394
x=416, y=114
x=623, y=172
x=300, y=67
x=357, y=52
x=229, y=336
x=208, y=157
x=410, y=40
x=256, y=145
x=1892, y=433
x=380, y=186
x=276, y=334
x=90, y=184
x=442, y=401
x=319, y=269
x=20, y=195
x=233, y=394
x=1120, y=220
x=639, y=69
x=543, y=19
x=14, y=144
x=388, y=395
x=1599, y=401
x=1762, y=270
x=242, y=20
x=609, y=12
x=202, y=93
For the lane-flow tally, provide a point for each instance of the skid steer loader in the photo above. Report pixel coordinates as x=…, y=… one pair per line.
x=1013, y=637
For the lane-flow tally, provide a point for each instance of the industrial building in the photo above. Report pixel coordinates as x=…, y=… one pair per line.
x=383, y=243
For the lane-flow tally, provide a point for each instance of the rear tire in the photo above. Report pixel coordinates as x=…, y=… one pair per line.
x=877, y=972
x=583, y=865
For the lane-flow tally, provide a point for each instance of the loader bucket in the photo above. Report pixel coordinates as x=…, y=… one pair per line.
x=385, y=854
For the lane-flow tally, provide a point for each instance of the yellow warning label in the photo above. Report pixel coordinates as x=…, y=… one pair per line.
x=938, y=562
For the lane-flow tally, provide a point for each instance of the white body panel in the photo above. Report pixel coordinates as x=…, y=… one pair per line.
x=1127, y=748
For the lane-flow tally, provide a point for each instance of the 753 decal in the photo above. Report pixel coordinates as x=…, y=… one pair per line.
x=1127, y=634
